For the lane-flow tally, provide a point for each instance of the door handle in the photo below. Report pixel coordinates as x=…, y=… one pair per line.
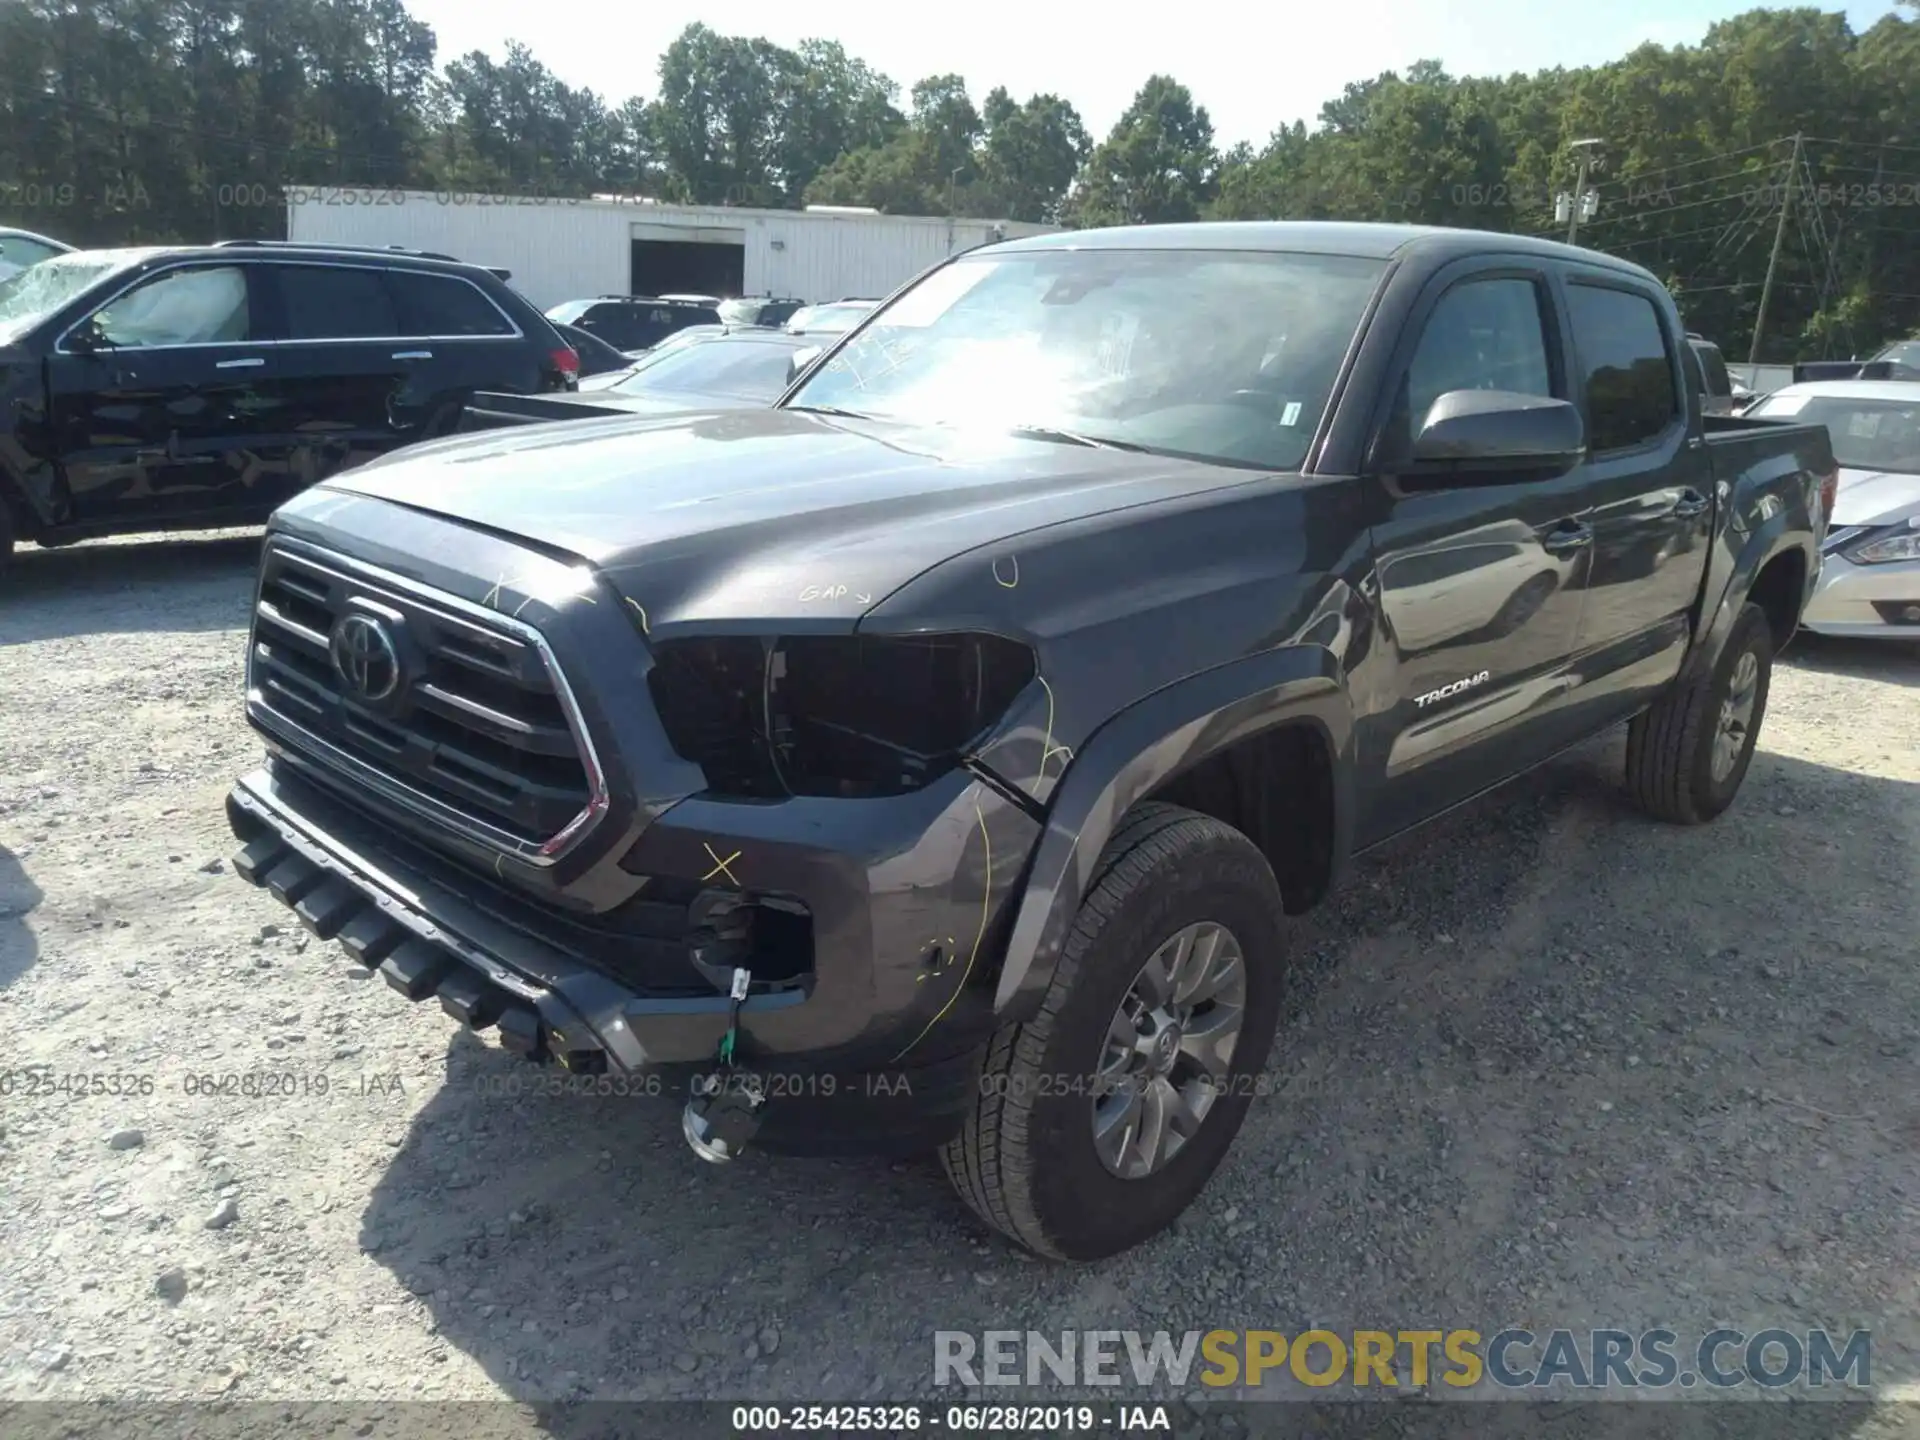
x=1567, y=537
x=1690, y=505
x=413, y=354
x=248, y=364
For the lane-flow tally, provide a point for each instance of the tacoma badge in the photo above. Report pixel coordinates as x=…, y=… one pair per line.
x=1454, y=689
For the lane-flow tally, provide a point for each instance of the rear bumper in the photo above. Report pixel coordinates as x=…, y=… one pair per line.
x=1865, y=601
x=418, y=922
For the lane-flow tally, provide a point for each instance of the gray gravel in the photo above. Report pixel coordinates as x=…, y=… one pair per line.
x=1548, y=1064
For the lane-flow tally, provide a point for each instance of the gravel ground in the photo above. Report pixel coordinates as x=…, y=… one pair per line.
x=1549, y=1065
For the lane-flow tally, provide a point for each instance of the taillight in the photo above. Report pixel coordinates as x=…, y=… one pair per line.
x=1829, y=491
x=566, y=361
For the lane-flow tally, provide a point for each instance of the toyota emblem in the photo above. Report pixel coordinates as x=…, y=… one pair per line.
x=365, y=657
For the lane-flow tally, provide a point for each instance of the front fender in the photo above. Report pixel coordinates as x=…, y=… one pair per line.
x=1136, y=752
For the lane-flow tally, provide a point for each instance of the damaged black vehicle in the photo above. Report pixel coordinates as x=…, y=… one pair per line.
x=933, y=759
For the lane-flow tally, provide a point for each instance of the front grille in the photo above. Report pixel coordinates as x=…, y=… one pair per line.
x=478, y=729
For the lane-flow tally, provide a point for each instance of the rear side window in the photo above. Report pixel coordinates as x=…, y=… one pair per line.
x=327, y=302
x=1719, y=382
x=636, y=327
x=1483, y=335
x=444, y=305
x=19, y=250
x=1631, y=395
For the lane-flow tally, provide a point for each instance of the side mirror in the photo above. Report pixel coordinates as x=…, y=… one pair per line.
x=87, y=337
x=1498, y=436
x=800, y=359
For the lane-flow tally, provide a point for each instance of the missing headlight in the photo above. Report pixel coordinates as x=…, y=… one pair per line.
x=848, y=716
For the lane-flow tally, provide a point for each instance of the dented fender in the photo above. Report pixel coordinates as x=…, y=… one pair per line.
x=1135, y=753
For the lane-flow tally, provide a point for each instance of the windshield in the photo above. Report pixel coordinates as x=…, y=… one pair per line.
x=1867, y=434
x=1221, y=355
x=743, y=369
x=38, y=289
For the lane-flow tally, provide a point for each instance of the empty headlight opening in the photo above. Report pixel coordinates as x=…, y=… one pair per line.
x=834, y=715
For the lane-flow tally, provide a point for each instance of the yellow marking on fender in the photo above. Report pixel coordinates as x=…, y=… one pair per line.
x=986, y=910
x=719, y=865
x=1013, y=563
x=1047, y=748
x=640, y=610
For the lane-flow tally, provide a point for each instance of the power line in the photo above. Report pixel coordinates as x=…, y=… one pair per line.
x=1703, y=160
x=1875, y=144
x=1714, y=229
x=1665, y=189
x=1827, y=167
x=1672, y=209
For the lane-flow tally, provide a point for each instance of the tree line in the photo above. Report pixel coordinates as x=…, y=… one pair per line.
x=134, y=121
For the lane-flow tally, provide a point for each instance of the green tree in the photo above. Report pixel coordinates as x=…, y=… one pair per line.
x=1157, y=165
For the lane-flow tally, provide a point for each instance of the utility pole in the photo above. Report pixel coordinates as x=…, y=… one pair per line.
x=1580, y=204
x=1773, y=260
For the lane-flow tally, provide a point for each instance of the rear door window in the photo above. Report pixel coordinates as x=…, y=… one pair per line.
x=336, y=302
x=439, y=306
x=1632, y=397
x=1719, y=382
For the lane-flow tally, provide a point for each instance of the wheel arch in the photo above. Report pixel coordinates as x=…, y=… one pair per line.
x=1777, y=568
x=1180, y=744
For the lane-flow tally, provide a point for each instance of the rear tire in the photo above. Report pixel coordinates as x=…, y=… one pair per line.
x=1687, y=755
x=1026, y=1159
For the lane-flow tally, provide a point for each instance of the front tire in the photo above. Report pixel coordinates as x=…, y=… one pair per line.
x=1688, y=754
x=1101, y=1119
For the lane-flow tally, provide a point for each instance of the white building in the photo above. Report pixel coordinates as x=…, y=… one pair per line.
x=560, y=249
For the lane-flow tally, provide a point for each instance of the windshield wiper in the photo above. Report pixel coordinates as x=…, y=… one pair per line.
x=1074, y=437
x=831, y=410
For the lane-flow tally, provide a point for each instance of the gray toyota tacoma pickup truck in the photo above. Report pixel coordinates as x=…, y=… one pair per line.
x=933, y=759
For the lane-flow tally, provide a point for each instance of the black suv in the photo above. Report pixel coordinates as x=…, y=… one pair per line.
x=760, y=311
x=632, y=322
x=188, y=387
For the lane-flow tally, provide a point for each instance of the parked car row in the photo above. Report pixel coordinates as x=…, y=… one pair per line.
x=182, y=387
x=743, y=369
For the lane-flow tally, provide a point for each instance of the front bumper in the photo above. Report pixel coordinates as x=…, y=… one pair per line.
x=850, y=1055
x=1865, y=601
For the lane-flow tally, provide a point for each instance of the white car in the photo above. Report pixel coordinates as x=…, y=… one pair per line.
x=21, y=248
x=1870, y=565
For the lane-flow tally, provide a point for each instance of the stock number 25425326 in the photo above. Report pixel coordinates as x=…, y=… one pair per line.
x=71, y=1085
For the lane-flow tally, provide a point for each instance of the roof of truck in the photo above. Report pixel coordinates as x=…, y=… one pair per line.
x=1318, y=237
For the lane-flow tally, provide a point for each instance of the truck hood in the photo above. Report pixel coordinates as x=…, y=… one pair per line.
x=1875, y=497
x=760, y=513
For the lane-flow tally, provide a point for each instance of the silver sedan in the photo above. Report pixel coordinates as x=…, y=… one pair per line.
x=1870, y=565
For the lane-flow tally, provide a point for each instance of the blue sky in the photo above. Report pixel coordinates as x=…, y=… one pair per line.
x=1252, y=65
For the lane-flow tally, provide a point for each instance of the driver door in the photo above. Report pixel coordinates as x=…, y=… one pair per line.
x=159, y=400
x=1479, y=581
